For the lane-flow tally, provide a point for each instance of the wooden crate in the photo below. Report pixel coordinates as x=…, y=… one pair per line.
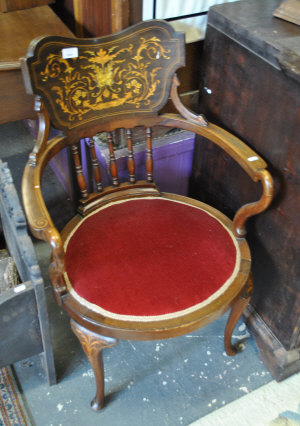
x=24, y=326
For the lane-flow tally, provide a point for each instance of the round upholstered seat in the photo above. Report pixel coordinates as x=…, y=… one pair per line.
x=149, y=258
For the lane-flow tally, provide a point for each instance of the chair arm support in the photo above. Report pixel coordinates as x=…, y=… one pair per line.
x=259, y=206
x=42, y=226
x=248, y=159
x=57, y=266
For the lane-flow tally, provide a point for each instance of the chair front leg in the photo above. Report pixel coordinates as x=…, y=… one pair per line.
x=93, y=344
x=237, y=309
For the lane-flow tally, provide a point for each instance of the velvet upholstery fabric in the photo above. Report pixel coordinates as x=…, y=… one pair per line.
x=149, y=257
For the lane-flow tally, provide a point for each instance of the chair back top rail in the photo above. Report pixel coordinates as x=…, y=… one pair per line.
x=84, y=80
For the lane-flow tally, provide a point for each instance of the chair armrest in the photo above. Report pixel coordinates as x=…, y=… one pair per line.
x=248, y=159
x=42, y=227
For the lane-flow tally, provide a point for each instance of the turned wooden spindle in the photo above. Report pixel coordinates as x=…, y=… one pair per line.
x=112, y=160
x=131, y=164
x=149, y=159
x=79, y=173
x=95, y=165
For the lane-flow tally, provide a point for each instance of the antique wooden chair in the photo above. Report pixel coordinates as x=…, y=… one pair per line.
x=134, y=263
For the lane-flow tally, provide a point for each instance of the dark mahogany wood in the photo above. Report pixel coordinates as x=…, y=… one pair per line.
x=119, y=98
x=112, y=76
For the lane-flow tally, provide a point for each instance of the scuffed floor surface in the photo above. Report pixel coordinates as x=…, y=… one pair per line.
x=274, y=404
x=169, y=382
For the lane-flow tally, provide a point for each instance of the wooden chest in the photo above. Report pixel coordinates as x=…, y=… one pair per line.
x=251, y=86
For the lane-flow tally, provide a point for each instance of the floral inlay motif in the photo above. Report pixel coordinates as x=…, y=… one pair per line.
x=105, y=78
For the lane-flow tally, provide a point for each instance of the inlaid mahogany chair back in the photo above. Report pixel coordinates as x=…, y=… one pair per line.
x=134, y=263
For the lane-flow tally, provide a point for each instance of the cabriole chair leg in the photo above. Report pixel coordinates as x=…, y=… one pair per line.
x=93, y=344
x=237, y=309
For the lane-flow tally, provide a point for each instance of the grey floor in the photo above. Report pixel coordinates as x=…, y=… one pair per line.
x=169, y=382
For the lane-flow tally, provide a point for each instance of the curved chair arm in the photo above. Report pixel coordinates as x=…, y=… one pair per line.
x=40, y=222
x=251, y=162
x=259, y=206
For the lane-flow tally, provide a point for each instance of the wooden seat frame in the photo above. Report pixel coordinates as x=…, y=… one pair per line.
x=94, y=331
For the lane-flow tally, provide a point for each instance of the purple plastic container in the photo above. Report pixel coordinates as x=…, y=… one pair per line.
x=172, y=162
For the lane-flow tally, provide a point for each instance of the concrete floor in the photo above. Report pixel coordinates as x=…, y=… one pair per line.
x=272, y=404
x=169, y=382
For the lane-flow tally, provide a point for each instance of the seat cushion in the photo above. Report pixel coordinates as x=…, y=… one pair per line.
x=149, y=258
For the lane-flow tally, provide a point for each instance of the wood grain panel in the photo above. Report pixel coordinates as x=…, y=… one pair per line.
x=11, y=5
x=94, y=18
x=18, y=28
x=261, y=105
x=15, y=103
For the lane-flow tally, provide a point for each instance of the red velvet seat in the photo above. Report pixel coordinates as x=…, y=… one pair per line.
x=149, y=257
